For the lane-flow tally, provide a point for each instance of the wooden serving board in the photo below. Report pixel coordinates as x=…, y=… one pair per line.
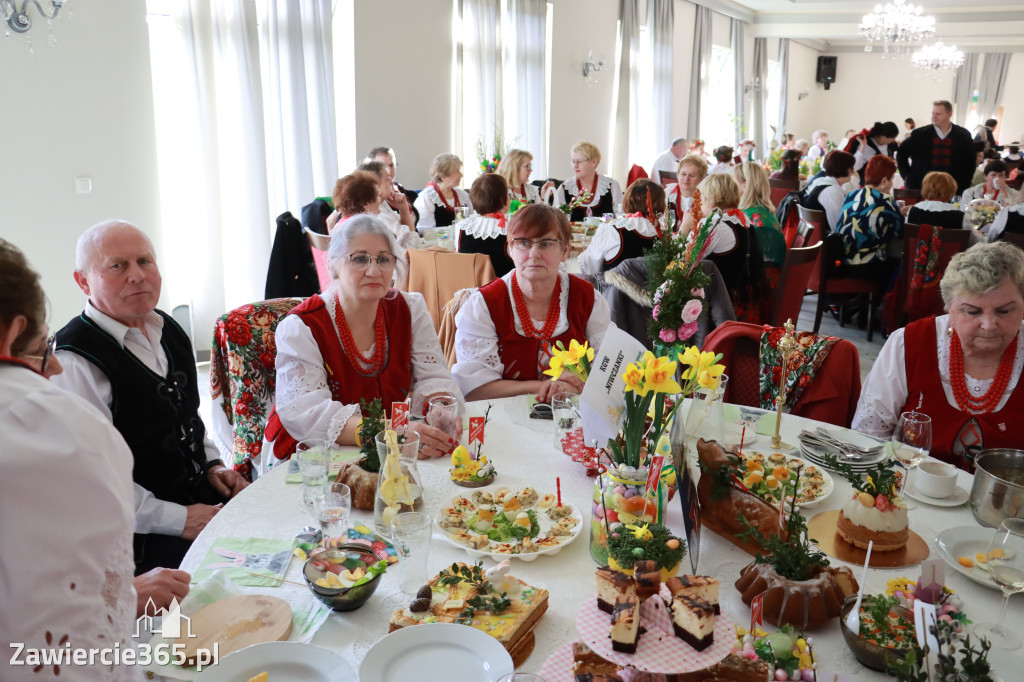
x=235, y=623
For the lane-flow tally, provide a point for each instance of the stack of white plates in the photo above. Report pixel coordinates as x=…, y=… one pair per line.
x=815, y=452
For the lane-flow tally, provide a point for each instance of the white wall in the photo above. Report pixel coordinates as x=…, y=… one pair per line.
x=1012, y=125
x=81, y=108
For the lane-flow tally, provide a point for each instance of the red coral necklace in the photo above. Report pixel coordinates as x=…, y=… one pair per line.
x=348, y=342
x=550, y=321
x=985, y=403
x=440, y=194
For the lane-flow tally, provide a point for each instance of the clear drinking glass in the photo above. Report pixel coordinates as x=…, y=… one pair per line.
x=313, y=457
x=443, y=414
x=911, y=443
x=1005, y=561
x=565, y=407
x=410, y=533
x=706, y=417
x=521, y=677
x=398, y=489
x=333, y=505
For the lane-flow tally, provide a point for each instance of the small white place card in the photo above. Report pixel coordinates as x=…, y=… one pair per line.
x=924, y=619
x=603, y=400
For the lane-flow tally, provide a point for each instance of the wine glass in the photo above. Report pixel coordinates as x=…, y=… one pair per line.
x=1005, y=561
x=911, y=443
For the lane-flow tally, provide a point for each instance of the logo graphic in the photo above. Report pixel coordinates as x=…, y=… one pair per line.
x=173, y=623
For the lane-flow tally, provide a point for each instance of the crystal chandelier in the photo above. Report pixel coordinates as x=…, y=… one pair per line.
x=938, y=57
x=896, y=25
x=18, y=18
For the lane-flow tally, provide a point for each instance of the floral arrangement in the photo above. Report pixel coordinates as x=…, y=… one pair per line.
x=648, y=385
x=584, y=197
x=879, y=486
x=576, y=359
x=678, y=296
x=809, y=168
x=982, y=212
x=372, y=422
x=787, y=651
x=489, y=161
x=650, y=541
x=792, y=554
x=774, y=160
x=972, y=665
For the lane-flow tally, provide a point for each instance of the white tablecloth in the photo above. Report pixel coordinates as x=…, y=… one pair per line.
x=523, y=452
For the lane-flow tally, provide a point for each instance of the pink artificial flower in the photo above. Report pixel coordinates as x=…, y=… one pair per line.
x=691, y=311
x=687, y=330
x=657, y=311
x=698, y=293
x=667, y=335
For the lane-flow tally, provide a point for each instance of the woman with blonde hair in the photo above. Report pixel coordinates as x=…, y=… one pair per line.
x=604, y=192
x=692, y=169
x=756, y=203
x=439, y=199
x=515, y=167
x=734, y=248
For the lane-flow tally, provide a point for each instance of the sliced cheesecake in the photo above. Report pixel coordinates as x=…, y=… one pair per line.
x=647, y=577
x=625, y=624
x=585, y=661
x=611, y=584
x=701, y=586
x=693, y=621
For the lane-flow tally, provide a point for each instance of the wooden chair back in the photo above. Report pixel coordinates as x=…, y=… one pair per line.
x=792, y=285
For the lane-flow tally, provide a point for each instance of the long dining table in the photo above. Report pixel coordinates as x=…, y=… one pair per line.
x=524, y=453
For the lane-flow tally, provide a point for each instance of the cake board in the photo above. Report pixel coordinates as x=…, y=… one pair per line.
x=822, y=531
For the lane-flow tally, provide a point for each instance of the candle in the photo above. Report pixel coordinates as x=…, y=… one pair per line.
x=743, y=434
x=558, y=489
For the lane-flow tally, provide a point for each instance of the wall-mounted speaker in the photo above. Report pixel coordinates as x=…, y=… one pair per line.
x=826, y=70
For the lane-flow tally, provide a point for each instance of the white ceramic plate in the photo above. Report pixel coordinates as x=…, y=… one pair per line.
x=957, y=498
x=285, y=661
x=966, y=541
x=543, y=521
x=436, y=652
x=733, y=433
x=826, y=489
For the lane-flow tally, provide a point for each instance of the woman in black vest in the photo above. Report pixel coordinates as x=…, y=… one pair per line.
x=441, y=197
x=935, y=208
x=631, y=235
x=880, y=139
x=484, y=231
x=592, y=193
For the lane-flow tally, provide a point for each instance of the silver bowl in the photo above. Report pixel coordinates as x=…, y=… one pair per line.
x=998, y=490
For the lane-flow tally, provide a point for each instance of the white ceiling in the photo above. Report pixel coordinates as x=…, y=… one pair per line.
x=994, y=25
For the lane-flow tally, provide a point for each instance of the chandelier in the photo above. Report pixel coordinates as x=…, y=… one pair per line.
x=896, y=25
x=18, y=18
x=938, y=57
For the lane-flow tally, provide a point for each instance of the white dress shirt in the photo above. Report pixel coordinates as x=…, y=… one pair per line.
x=831, y=199
x=428, y=199
x=304, y=400
x=569, y=190
x=85, y=379
x=67, y=477
x=666, y=161
x=478, y=361
x=885, y=391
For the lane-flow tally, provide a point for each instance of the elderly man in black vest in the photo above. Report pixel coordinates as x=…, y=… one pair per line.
x=943, y=146
x=137, y=366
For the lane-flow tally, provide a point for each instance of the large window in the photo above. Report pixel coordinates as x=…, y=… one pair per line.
x=717, y=114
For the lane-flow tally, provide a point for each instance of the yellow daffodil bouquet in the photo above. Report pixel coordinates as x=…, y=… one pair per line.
x=648, y=385
x=703, y=370
x=575, y=359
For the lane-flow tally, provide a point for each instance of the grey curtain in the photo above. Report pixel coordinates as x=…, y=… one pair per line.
x=627, y=101
x=660, y=28
x=993, y=78
x=701, y=62
x=783, y=85
x=739, y=122
x=758, y=123
x=963, y=87
x=524, y=80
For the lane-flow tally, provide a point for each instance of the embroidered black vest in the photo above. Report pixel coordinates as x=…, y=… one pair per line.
x=634, y=245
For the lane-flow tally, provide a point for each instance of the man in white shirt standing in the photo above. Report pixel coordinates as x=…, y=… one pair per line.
x=137, y=366
x=669, y=159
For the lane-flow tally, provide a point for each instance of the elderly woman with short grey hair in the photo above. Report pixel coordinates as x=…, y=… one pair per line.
x=962, y=369
x=440, y=199
x=359, y=339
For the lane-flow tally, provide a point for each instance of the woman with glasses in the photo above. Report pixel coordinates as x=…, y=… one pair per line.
x=593, y=194
x=359, y=339
x=516, y=167
x=506, y=329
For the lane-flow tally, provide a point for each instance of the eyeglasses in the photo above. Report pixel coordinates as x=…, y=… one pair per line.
x=361, y=261
x=542, y=244
x=51, y=346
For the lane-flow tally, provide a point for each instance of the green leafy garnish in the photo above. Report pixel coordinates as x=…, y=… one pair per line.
x=372, y=424
x=372, y=571
x=794, y=557
x=880, y=480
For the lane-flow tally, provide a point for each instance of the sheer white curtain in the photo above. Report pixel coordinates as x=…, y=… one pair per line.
x=298, y=82
x=783, y=84
x=661, y=31
x=525, y=96
x=758, y=124
x=739, y=121
x=993, y=80
x=480, y=66
x=963, y=87
x=700, y=68
x=212, y=157
x=627, y=103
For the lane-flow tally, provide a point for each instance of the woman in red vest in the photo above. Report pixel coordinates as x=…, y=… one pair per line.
x=506, y=329
x=962, y=369
x=359, y=339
